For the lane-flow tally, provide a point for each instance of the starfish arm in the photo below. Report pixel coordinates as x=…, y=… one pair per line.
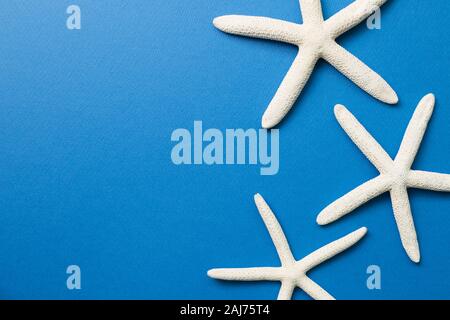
x=363, y=139
x=260, y=27
x=286, y=290
x=405, y=222
x=246, y=274
x=415, y=132
x=311, y=11
x=429, y=181
x=290, y=89
x=354, y=199
x=332, y=249
x=314, y=290
x=275, y=231
x=351, y=16
x=359, y=73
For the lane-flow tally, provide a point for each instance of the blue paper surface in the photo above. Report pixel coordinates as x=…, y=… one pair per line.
x=86, y=176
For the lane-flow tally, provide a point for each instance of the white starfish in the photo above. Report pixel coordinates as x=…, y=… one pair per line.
x=395, y=175
x=292, y=273
x=315, y=39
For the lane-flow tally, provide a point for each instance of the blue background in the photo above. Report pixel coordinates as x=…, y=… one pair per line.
x=86, y=176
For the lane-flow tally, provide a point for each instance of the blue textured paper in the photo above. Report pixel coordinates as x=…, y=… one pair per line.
x=86, y=176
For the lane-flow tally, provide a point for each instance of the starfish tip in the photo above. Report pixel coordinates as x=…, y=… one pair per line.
x=392, y=98
x=431, y=95
x=415, y=259
x=212, y=273
x=220, y=22
x=268, y=122
x=429, y=99
x=362, y=231
x=322, y=220
x=414, y=256
x=339, y=109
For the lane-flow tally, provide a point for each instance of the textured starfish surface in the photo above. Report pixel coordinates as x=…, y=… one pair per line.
x=292, y=273
x=395, y=175
x=315, y=39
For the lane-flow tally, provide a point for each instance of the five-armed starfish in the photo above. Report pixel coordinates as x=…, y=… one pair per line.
x=395, y=175
x=315, y=39
x=292, y=273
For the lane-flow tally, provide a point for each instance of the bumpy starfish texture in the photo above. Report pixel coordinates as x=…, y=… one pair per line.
x=316, y=38
x=292, y=273
x=395, y=175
